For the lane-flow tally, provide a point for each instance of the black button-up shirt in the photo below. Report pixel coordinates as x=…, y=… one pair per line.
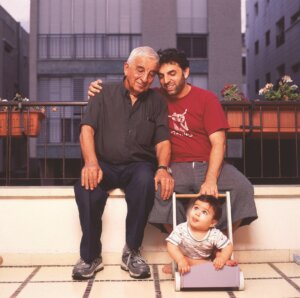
x=124, y=132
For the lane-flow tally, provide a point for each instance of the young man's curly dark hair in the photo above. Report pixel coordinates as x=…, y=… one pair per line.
x=172, y=55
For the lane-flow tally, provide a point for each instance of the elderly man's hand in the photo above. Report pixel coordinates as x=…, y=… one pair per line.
x=91, y=175
x=95, y=87
x=166, y=182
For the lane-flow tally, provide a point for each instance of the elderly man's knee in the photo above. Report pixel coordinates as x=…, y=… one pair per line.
x=144, y=178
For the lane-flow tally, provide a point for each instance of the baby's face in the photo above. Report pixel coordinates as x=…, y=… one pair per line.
x=201, y=216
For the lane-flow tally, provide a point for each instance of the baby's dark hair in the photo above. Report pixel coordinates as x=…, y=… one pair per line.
x=212, y=201
x=172, y=55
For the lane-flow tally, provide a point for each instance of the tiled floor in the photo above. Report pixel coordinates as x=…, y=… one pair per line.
x=51, y=277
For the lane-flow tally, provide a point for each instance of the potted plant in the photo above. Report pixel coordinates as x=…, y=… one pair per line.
x=236, y=107
x=19, y=120
x=279, y=111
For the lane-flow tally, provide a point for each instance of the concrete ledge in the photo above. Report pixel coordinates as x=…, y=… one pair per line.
x=45, y=192
x=58, y=192
x=44, y=220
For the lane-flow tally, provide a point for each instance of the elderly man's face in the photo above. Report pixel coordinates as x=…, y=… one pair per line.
x=140, y=74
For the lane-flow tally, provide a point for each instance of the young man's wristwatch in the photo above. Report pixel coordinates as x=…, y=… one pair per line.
x=165, y=168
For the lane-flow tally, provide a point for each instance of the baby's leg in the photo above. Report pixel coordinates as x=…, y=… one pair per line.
x=167, y=269
x=193, y=262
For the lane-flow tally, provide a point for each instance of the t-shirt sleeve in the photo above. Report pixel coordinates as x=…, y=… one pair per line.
x=175, y=237
x=162, y=130
x=221, y=240
x=91, y=114
x=214, y=116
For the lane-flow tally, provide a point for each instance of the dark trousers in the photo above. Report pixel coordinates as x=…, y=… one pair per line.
x=137, y=181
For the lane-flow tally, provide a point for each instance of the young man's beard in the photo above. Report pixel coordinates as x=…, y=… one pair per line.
x=178, y=88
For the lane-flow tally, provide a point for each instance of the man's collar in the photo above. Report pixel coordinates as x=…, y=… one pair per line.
x=125, y=91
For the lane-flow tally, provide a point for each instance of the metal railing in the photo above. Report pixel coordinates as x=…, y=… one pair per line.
x=262, y=142
x=267, y=135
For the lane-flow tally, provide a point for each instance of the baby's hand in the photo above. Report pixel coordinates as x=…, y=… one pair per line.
x=183, y=266
x=219, y=263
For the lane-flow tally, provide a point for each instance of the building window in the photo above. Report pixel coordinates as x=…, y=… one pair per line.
x=194, y=46
x=257, y=86
x=280, y=34
x=256, y=8
x=267, y=38
x=244, y=65
x=243, y=40
x=198, y=80
x=69, y=129
x=87, y=46
x=281, y=70
x=296, y=67
x=295, y=17
x=8, y=47
x=256, y=46
x=268, y=77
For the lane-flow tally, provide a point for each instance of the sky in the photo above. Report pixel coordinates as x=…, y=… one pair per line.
x=19, y=10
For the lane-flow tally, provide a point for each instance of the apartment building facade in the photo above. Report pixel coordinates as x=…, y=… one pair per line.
x=272, y=39
x=14, y=74
x=73, y=42
x=14, y=57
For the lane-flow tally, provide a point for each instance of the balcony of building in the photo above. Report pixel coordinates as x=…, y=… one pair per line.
x=40, y=230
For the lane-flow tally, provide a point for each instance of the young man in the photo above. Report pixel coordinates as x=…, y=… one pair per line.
x=124, y=136
x=197, y=125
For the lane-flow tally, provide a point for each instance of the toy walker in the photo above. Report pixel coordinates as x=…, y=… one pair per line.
x=205, y=276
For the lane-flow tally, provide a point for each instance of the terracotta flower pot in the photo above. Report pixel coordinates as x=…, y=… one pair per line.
x=16, y=123
x=238, y=117
x=276, y=118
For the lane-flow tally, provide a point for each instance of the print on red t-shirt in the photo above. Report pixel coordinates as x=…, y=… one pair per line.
x=191, y=120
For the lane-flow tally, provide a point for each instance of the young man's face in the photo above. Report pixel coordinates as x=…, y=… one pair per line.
x=140, y=74
x=201, y=216
x=172, y=78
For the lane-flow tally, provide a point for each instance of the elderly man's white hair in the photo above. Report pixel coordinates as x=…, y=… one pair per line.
x=143, y=51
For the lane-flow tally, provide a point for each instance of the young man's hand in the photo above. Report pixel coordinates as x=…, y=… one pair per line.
x=166, y=182
x=95, y=87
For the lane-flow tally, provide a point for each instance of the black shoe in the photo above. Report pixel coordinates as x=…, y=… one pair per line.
x=83, y=270
x=133, y=262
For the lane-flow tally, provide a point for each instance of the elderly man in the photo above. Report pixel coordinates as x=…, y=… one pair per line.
x=125, y=143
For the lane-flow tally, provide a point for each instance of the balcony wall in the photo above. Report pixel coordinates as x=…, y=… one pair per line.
x=44, y=220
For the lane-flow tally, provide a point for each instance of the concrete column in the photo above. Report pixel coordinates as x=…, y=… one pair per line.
x=224, y=44
x=159, y=23
x=33, y=50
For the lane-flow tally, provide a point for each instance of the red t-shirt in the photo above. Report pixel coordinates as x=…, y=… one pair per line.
x=191, y=120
